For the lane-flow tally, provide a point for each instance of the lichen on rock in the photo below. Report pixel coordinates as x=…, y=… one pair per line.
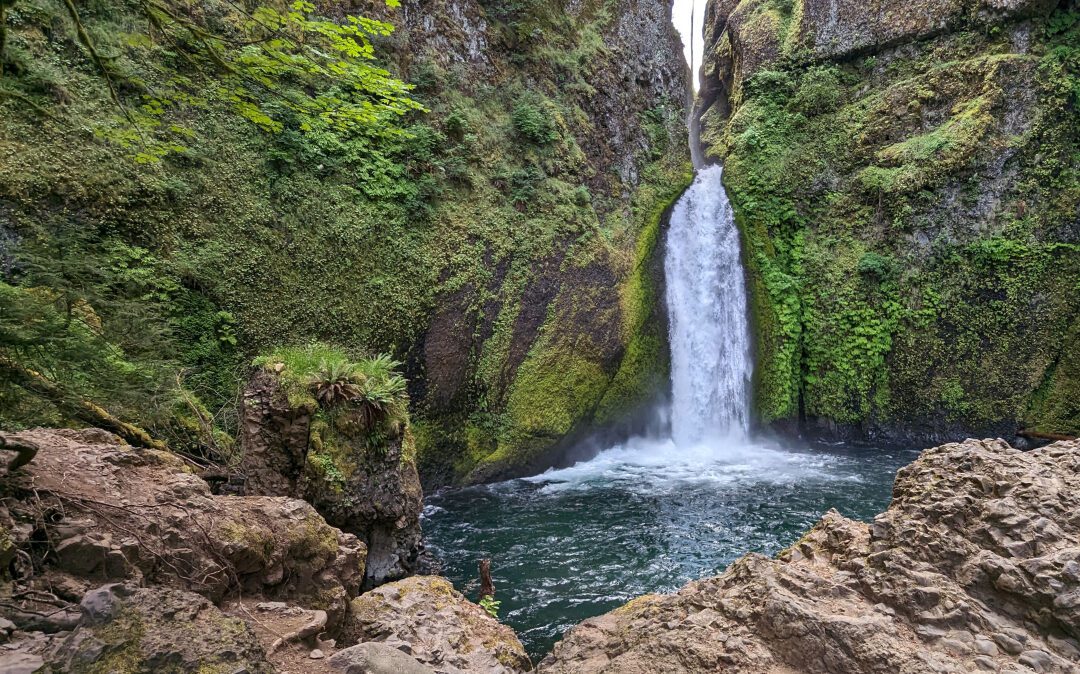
x=131, y=630
x=431, y=621
x=142, y=516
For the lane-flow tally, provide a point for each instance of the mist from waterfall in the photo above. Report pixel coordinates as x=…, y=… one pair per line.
x=707, y=314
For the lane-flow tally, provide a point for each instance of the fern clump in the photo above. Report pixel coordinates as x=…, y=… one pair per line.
x=363, y=394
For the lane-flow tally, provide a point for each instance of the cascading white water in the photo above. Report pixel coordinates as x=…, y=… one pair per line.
x=706, y=296
x=710, y=364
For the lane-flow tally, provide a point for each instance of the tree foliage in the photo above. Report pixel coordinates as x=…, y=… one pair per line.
x=279, y=66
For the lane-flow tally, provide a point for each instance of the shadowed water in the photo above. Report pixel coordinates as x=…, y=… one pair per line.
x=643, y=518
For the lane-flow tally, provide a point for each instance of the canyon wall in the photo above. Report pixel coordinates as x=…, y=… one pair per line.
x=502, y=248
x=905, y=176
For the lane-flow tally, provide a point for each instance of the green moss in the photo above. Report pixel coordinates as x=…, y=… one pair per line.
x=643, y=371
x=314, y=539
x=123, y=653
x=266, y=240
x=905, y=230
x=254, y=538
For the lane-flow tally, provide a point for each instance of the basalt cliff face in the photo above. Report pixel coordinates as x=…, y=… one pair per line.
x=974, y=567
x=503, y=248
x=905, y=178
x=562, y=333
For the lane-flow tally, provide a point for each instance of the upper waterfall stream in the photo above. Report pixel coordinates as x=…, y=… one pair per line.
x=651, y=513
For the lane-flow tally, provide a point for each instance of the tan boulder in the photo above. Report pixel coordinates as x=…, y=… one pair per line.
x=425, y=617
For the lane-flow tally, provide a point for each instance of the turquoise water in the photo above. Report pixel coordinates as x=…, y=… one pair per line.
x=645, y=517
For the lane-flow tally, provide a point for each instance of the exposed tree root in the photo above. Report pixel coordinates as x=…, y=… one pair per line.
x=312, y=629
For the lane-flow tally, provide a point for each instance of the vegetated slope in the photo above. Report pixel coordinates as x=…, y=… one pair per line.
x=907, y=179
x=501, y=248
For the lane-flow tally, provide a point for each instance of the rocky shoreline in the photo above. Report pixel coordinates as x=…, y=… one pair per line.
x=118, y=559
x=975, y=566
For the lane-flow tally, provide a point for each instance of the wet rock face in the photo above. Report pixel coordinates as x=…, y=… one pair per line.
x=426, y=618
x=142, y=516
x=379, y=499
x=743, y=37
x=155, y=630
x=465, y=362
x=973, y=567
x=274, y=437
x=840, y=28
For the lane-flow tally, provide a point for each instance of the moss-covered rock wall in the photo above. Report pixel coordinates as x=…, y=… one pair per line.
x=499, y=249
x=909, y=196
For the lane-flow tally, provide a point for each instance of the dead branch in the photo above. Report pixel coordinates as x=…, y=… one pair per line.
x=487, y=587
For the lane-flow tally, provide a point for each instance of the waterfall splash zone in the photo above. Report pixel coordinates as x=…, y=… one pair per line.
x=640, y=518
x=652, y=513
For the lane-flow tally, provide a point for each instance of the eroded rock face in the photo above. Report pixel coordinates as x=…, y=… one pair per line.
x=840, y=28
x=975, y=566
x=744, y=37
x=426, y=618
x=375, y=493
x=121, y=513
x=155, y=631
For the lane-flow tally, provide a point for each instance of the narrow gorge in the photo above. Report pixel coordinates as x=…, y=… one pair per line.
x=505, y=336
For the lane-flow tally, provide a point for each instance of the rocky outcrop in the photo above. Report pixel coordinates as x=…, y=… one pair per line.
x=975, y=566
x=97, y=510
x=377, y=658
x=426, y=618
x=367, y=487
x=155, y=631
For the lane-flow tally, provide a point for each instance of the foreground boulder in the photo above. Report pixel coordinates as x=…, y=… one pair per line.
x=113, y=512
x=426, y=618
x=156, y=631
x=975, y=566
x=377, y=658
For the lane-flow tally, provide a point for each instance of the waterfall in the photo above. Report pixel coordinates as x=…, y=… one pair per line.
x=706, y=296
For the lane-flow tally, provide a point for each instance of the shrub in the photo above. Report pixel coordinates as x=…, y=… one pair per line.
x=534, y=124
x=818, y=92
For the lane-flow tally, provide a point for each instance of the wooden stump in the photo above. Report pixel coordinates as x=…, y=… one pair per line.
x=487, y=588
